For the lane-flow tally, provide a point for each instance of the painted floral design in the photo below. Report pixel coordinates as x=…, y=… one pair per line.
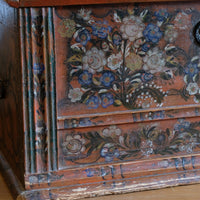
x=109, y=152
x=154, y=61
x=123, y=57
x=112, y=131
x=73, y=145
x=152, y=33
x=147, y=148
x=162, y=15
x=132, y=28
x=113, y=143
x=94, y=60
x=107, y=99
x=84, y=14
x=83, y=36
x=101, y=29
x=115, y=61
x=92, y=102
x=67, y=28
x=192, y=88
x=85, y=78
x=75, y=94
x=134, y=62
x=107, y=78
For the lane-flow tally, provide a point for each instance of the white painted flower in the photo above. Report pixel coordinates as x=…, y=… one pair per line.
x=192, y=88
x=74, y=144
x=132, y=28
x=115, y=61
x=112, y=131
x=75, y=94
x=182, y=21
x=147, y=147
x=84, y=14
x=154, y=61
x=170, y=34
x=94, y=60
x=189, y=146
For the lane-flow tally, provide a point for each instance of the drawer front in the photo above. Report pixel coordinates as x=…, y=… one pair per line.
x=126, y=59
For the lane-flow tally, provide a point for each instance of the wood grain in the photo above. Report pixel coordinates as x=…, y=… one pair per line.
x=39, y=3
x=173, y=193
x=11, y=131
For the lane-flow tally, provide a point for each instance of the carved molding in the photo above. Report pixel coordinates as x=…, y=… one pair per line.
x=38, y=65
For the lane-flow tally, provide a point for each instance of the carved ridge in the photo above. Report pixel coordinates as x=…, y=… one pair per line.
x=39, y=103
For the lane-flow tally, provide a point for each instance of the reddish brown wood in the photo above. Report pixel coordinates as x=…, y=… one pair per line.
x=36, y=3
x=11, y=118
x=84, y=131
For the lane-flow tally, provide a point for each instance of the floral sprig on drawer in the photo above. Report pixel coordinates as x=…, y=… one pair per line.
x=112, y=143
x=130, y=56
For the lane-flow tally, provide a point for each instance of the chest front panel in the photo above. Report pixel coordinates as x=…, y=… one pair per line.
x=127, y=82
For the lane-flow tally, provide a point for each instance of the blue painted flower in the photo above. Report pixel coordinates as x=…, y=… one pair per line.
x=158, y=115
x=161, y=15
x=146, y=77
x=182, y=126
x=191, y=70
x=85, y=122
x=83, y=36
x=101, y=29
x=107, y=78
x=146, y=47
x=38, y=68
x=117, y=38
x=90, y=172
x=85, y=78
x=152, y=33
x=92, y=102
x=109, y=152
x=107, y=100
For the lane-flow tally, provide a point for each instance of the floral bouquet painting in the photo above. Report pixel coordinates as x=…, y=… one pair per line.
x=131, y=56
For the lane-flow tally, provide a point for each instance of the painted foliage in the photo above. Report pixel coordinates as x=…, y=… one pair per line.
x=131, y=56
x=115, y=143
x=126, y=58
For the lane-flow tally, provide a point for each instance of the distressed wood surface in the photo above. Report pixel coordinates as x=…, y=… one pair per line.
x=173, y=193
x=38, y=3
x=94, y=126
x=130, y=109
x=37, y=46
x=11, y=118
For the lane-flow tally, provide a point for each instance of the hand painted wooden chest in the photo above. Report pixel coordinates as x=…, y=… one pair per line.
x=103, y=97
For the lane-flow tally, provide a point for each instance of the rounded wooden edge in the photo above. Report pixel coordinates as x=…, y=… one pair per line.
x=50, y=3
x=10, y=178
